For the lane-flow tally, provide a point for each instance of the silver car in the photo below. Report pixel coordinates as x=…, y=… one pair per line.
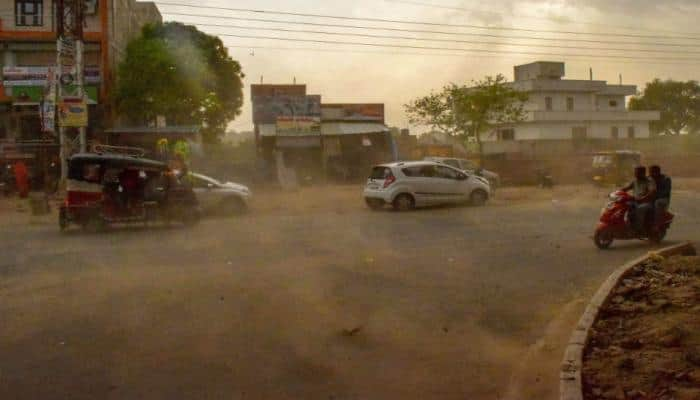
x=470, y=167
x=218, y=197
x=405, y=185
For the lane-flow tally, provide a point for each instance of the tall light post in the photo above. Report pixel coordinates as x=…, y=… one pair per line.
x=70, y=83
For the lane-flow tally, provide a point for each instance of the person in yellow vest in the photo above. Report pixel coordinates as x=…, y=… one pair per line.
x=182, y=149
x=163, y=150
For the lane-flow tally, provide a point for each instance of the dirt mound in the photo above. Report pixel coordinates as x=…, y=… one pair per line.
x=646, y=342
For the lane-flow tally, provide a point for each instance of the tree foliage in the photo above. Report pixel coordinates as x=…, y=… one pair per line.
x=469, y=111
x=179, y=72
x=679, y=103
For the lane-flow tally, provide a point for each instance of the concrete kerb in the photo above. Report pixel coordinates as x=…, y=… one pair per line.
x=570, y=384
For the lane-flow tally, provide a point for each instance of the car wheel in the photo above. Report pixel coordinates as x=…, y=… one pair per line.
x=657, y=236
x=95, y=224
x=404, y=202
x=374, y=204
x=478, y=197
x=233, y=206
x=62, y=219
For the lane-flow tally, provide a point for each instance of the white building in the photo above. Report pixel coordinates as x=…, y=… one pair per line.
x=560, y=109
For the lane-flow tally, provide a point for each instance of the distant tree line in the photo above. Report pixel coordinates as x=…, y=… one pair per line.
x=679, y=103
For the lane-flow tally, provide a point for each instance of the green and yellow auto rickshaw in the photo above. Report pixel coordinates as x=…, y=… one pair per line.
x=615, y=167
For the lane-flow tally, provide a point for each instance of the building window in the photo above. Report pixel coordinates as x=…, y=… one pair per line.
x=91, y=7
x=613, y=103
x=614, y=132
x=569, y=104
x=29, y=12
x=630, y=132
x=506, y=134
x=548, y=103
x=579, y=133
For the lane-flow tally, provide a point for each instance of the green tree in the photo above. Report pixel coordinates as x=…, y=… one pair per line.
x=469, y=111
x=679, y=103
x=179, y=72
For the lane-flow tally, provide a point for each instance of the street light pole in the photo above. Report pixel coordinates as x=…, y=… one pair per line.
x=69, y=64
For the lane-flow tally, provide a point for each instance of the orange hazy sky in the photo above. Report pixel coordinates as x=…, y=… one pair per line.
x=355, y=73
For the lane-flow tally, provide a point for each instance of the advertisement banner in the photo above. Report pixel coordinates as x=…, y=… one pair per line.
x=266, y=109
x=72, y=114
x=257, y=91
x=298, y=126
x=353, y=112
x=37, y=76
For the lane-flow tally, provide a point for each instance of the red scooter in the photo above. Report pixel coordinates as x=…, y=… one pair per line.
x=615, y=224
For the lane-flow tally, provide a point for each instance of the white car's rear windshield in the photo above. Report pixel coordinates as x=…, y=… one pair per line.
x=380, y=173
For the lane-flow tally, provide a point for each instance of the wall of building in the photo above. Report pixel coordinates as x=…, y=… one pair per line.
x=610, y=102
x=564, y=131
x=594, y=130
x=124, y=22
x=8, y=21
x=35, y=46
x=126, y=19
x=571, y=161
x=597, y=107
x=582, y=101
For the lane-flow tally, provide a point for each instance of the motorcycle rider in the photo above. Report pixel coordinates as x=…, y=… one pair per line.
x=644, y=190
x=663, y=192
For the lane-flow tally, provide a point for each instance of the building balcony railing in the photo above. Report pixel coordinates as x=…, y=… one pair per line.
x=554, y=116
x=45, y=32
x=573, y=86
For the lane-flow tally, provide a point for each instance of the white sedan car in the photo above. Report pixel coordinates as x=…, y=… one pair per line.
x=406, y=185
x=220, y=198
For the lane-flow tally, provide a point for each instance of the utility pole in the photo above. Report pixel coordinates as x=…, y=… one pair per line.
x=69, y=63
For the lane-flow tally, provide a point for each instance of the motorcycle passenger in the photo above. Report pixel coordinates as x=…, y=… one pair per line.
x=663, y=192
x=644, y=190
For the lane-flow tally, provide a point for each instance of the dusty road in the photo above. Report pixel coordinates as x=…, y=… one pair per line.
x=311, y=296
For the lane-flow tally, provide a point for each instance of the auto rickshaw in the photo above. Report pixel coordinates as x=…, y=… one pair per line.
x=105, y=189
x=614, y=167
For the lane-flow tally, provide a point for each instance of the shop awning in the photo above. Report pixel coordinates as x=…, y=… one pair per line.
x=267, y=129
x=298, y=142
x=334, y=128
x=352, y=128
x=151, y=130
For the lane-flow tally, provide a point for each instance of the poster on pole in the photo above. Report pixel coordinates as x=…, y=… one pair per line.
x=48, y=106
x=73, y=114
x=69, y=75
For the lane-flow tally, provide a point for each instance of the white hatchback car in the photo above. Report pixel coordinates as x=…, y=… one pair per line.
x=220, y=198
x=406, y=185
x=469, y=167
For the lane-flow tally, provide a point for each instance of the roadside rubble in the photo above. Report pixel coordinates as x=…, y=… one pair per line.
x=646, y=341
